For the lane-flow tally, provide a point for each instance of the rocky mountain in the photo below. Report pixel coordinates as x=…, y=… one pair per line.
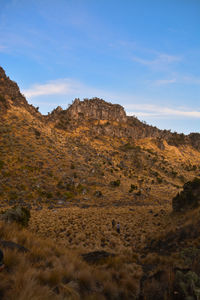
x=80, y=168
x=10, y=95
x=88, y=154
x=104, y=118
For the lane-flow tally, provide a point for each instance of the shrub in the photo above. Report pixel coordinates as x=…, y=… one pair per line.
x=115, y=183
x=188, y=198
x=2, y=99
x=187, y=285
x=1, y=164
x=127, y=147
x=132, y=188
x=17, y=214
x=68, y=194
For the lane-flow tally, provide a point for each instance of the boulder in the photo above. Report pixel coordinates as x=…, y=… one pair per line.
x=18, y=214
x=188, y=198
x=13, y=246
x=96, y=256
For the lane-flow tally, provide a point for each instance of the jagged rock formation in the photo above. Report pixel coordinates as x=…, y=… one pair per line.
x=101, y=118
x=104, y=118
x=10, y=95
x=96, y=109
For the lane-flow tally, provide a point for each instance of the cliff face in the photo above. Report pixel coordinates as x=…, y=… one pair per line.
x=101, y=118
x=96, y=109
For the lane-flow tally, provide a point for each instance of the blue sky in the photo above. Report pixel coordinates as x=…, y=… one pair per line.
x=144, y=55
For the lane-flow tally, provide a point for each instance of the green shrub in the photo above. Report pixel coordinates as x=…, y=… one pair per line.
x=68, y=194
x=187, y=285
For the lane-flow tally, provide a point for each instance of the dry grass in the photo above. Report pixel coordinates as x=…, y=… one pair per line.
x=91, y=228
x=51, y=272
x=70, y=167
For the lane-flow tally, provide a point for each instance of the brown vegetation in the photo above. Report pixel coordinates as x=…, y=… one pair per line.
x=77, y=170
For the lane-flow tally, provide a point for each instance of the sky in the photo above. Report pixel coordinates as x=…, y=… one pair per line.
x=141, y=54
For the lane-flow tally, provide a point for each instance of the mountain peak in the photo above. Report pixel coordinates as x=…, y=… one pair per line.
x=10, y=95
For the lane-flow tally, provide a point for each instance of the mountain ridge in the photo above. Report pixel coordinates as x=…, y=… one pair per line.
x=89, y=154
x=102, y=117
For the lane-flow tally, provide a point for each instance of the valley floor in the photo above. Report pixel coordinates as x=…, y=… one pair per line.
x=91, y=228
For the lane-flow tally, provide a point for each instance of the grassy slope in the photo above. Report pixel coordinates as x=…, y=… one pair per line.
x=44, y=165
x=41, y=165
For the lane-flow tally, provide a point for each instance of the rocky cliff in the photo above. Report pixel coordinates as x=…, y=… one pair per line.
x=103, y=118
x=10, y=95
x=96, y=109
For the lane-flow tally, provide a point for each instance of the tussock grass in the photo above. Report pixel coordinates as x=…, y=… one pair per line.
x=50, y=271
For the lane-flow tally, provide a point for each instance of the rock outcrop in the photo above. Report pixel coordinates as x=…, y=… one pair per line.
x=10, y=95
x=188, y=198
x=103, y=118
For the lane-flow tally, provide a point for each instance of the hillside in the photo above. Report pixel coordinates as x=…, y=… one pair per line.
x=91, y=152
x=77, y=170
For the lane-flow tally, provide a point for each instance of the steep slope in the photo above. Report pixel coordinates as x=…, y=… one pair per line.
x=10, y=96
x=90, y=154
x=95, y=164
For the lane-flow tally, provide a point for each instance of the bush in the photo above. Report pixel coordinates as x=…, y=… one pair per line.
x=1, y=164
x=2, y=99
x=188, y=198
x=132, y=188
x=187, y=285
x=18, y=214
x=68, y=194
x=115, y=183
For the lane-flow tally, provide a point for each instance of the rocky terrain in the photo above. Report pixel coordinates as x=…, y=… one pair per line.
x=77, y=170
x=89, y=154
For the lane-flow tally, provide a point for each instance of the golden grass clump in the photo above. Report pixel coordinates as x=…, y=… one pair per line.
x=49, y=271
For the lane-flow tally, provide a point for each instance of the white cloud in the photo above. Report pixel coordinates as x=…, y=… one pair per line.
x=54, y=87
x=178, y=78
x=73, y=88
x=160, y=82
x=67, y=87
x=160, y=61
x=143, y=110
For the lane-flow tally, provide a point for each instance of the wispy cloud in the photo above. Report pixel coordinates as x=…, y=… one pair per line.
x=144, y=110
x=191, y=80
x=160, y=82
x=73, y=88
x=56, y=87
x=66, y=87
x=160, y=61
x=179, y=78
